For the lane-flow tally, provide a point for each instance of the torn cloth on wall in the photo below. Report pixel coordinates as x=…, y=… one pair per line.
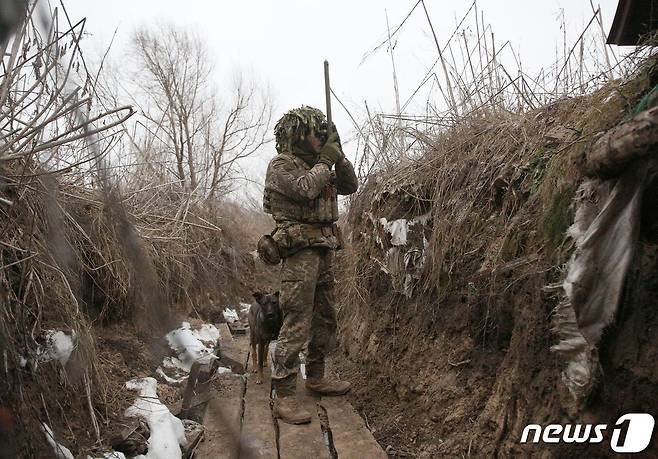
x=403, y=243
x=605, y=231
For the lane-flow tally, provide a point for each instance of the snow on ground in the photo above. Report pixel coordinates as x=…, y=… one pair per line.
x=60, y=346
x=61, y=452
x=167, y=431
x=231, y=315
x=397, y=230
x=111, y=455
x=223, y=371
x=190, y=345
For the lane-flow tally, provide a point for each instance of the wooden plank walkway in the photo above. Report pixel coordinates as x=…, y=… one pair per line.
x=258, y=435
x=239, y=424
x=223, y=417
x=303, y=441
x=351, y=437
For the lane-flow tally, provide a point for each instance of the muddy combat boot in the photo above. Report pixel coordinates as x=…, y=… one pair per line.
x=286, y=406
x=327, y=386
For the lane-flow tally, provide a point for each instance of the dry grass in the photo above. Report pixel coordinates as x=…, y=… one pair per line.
x=499, y=187
x=81, y=251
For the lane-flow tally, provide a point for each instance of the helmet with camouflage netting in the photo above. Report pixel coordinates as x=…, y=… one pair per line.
x=295, y=125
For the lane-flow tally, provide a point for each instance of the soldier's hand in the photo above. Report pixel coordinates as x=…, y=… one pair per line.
x=331, y=152
x=332, y=130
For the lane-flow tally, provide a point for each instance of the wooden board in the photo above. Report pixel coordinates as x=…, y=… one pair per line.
x=303, y=441
x=238, y=420
x=222, y=422
x=258, y=436
x=225, y=335
x=351, y=437
x=223, y=414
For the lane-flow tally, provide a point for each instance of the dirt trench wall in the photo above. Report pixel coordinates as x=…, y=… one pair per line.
x=115, y=276
x=459, y=364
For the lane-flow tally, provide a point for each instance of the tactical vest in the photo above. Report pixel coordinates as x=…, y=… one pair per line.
x=323, y=209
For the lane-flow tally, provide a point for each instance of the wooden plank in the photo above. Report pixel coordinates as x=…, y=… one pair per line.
x=258, y=436
x=303, y=441
x=190, y=390
x=225, y=335
x=222, y=422
x=351, y=437
x=224, y=411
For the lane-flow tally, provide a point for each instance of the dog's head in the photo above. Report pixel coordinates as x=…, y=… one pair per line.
x=269, y=304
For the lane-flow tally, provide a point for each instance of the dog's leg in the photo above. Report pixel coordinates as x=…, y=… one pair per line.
x=254, y=362
x=261, y=352
x=267, y=348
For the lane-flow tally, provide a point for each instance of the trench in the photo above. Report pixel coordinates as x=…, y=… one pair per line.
x=323, y=417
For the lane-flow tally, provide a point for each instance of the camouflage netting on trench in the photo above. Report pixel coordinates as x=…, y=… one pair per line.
x=492, y=201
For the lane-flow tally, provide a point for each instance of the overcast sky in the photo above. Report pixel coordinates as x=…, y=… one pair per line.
x=282, y=44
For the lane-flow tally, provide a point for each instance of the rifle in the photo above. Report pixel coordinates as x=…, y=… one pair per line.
x=327, y=93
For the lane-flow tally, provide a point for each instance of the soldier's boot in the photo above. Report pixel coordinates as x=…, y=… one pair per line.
x=328, y=386
x=320, y=384
x=289, y=411
x=286, y=406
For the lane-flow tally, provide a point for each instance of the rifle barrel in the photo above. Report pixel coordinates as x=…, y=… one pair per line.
x=327, y=91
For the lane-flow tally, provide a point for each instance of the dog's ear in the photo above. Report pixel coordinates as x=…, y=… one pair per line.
x=258, y=296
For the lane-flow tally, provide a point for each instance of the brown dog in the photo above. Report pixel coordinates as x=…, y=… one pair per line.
x=265, y=320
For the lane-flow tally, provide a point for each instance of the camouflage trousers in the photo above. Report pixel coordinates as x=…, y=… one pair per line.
x=307, y=301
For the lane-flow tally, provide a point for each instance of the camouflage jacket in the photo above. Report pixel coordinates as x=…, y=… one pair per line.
x=300, y=197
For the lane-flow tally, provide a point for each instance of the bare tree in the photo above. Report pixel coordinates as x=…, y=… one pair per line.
x=184, y=118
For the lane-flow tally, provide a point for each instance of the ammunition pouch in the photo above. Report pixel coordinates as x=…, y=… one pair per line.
x=297, y=236
x=268, y=250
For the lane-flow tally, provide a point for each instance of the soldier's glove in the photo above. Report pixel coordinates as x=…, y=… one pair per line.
x=332, y=129
x=331, y=152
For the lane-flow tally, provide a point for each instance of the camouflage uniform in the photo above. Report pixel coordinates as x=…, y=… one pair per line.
x=301, y=196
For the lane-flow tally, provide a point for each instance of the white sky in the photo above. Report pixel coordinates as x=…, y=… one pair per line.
x=283, y=43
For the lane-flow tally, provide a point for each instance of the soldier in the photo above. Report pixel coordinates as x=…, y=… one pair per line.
x=301, y=195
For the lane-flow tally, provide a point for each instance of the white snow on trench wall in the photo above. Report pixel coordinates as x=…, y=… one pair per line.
x=59, y=451
x=167, y=431
x=59, y=346
x=403, y=243
x=190, y=344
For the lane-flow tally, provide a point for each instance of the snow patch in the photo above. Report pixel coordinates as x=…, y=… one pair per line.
x=230, y=315
x=167, y=431
x=59, y=347
x=207, y=332
x=398, y=230
x=223, y=371
x=168, y=379
x=191, y=346
x=61, y=452
x=111, y=455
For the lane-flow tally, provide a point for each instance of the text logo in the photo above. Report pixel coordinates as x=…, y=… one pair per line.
x=631, y=433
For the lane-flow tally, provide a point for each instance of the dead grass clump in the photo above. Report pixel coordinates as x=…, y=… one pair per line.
x=498, y=188
x=74, y=259
x=498, y=185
